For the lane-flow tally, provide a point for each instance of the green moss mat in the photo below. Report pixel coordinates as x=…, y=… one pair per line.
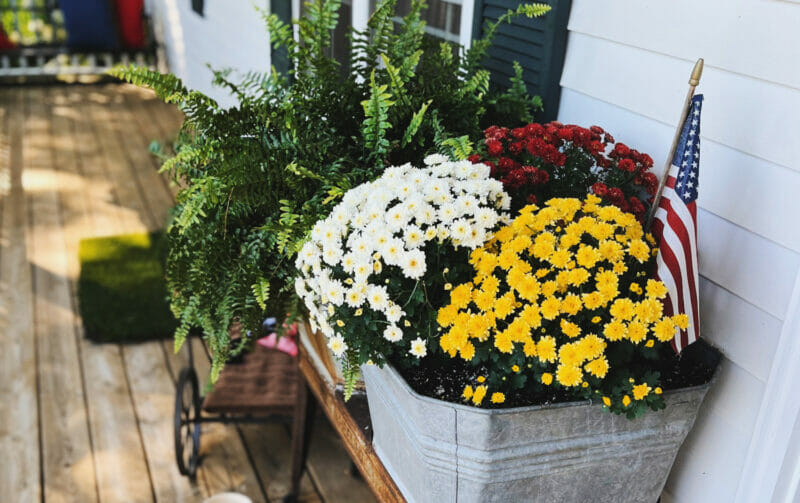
x=121, y=289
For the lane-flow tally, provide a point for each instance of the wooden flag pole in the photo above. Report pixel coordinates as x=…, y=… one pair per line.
x=694, y=80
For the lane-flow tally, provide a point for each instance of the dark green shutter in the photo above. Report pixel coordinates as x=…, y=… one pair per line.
x=537, y=44
x=280, y=58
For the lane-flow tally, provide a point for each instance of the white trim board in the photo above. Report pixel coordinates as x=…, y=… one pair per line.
x=778, y=413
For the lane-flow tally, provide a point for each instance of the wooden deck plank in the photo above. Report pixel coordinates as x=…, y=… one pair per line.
x=154, y=398
x=154, y=191
x=67, y=461
x=19, y=435
x=120, y=462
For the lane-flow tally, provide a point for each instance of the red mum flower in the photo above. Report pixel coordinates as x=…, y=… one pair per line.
x=627, y=165
x=616, y=196
x=534, y=129
x=600, y=189
x=565, y=134
x=596, y=130
x=621, y=150
x=518, y=133
x=516, y=147
x=532, y=198
x=474, y=158
x=494, y=147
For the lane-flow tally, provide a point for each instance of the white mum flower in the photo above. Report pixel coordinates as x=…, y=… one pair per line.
x=392, y=333
x=354, y=297
x=413, y=236
x=363, y=269
x=349, y=262
x=414, y=264
x=397, y=217
x=392, y=251
x=448, y=212
x=462, y=169
x=334, y=291
x=466, y=205
x=377, y=297
x=435, y=159
x=425, y=214
x=337, y=345
x=486, y=218
x=460, y=229
x=393, y=313
x=443, y=170
x=418, y=348
x=300, y=287
x=480, y=172
x=331, y=254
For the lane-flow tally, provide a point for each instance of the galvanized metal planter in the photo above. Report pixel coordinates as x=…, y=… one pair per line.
x=573, y=452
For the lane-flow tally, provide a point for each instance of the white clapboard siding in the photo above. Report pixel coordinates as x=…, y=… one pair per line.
x=748, y=265
x=747, y=335
x=758, y=38
x=751, y=192
x=229, y=35
x=741, y=112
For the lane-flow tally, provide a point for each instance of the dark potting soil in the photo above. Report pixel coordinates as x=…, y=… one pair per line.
x=444, y=379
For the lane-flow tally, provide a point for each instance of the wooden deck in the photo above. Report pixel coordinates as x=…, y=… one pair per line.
x=82, y=422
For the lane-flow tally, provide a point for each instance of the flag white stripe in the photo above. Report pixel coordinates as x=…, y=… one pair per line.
x=673, y=241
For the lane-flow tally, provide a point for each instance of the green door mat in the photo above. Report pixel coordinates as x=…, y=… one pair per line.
x=121, y=290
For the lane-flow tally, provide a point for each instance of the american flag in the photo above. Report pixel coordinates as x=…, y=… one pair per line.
x=675, y=229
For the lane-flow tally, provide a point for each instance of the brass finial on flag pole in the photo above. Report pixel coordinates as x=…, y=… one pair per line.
x=694, y=80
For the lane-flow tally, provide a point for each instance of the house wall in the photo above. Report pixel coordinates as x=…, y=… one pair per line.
x=230, y=34
x=626, y=69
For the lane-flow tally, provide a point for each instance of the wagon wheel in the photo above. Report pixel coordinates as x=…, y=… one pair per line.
x=187, y=424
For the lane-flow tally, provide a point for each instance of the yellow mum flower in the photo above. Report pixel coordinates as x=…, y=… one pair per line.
x=477, y=396
x=467, y=351
x=570, y=329
x=619, y=267
x=570, y=354
x=529, y=348
x=601, y=230
x=608, y=213
x=664, y=330
x=481, y=379
x=639, y=250
x=547, y=379
x=640, y=391
x=507, y=258
x=548, y=288
x=541, y=273
x=614, y=331
x=622, y=309
x=635, y=288
x=528, y=289
x=626, y=400
x=650, y=343
x=515, y=368
x=578, y=276
x=606, y=279
x=569, y=240
x=592, y=300
x=490, y=284
x=530, y=314
x=483, y=300
x=607, y=401
x=597, y=319
x=467, y=392
x=569, y=376
x=546, y=349
x=519, y=243
x=656, y=289
x=461, y=295
x=681, y=320
x=649, y=310
x=597, y=367
x=503, y=342
x=544, y=245
x=657, y=391
x=504, y=305
x=592, y=346
x=550, y=308
x=637, y=331
x=587, y=256
x=560, y=258
x=571, y=304
x=498, y=397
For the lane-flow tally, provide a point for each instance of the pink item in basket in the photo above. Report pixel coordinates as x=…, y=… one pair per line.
x=286, y=343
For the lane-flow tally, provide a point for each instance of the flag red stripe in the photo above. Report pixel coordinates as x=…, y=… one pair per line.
x=680, y=228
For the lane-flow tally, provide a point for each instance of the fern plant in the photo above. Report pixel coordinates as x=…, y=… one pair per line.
x=257, y=176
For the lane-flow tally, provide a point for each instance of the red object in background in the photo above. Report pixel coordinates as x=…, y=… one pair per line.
x=287, y=343
x=131, y=24
x=5, y=43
